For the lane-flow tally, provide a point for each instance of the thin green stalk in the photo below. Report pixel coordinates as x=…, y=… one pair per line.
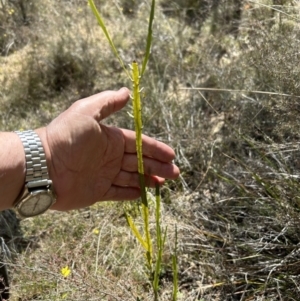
x=137, y=113
x=160, y=242
x=175, y=269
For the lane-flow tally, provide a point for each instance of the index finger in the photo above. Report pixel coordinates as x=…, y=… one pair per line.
x=151, y=147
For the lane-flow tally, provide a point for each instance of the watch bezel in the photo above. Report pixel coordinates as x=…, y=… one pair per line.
x=29, y=195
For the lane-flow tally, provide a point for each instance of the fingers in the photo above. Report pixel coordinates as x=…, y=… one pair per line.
x=151, y=147
x=151, y=167
x=118, y=193
x=157, y=156
x=130, y=179
x=103, y=104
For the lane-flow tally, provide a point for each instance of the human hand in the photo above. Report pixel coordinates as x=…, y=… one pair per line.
x=90, y=162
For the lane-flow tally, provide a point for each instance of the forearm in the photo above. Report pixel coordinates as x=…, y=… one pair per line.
x=12, y=169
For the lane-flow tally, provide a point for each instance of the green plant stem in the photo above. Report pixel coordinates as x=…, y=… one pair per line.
x=160, y=242
x=137, y=113
x=175, y=269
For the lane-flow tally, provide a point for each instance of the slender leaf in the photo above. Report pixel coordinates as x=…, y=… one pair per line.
x=175, y=277
x=160, y=240
x=175, y=269
x=157, y=216
x=103, y=27
x=158, y=243
x=135, y=231
x=149, y=38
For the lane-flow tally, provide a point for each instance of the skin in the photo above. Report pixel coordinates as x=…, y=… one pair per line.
x=88, y=161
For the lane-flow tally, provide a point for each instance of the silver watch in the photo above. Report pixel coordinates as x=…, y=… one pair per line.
x=37, y=195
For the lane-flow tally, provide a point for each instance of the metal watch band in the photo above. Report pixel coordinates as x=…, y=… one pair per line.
x=36, y=165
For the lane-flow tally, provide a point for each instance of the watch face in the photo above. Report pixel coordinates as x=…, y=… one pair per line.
x=36, y=203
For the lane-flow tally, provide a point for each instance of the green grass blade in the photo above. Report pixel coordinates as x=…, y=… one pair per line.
x=135, y=231
x=175, y=269
x=149, y=38
x=175, y=277
x=103, y=27
x=160, y=239
x=157, y=216
x=158, y=242
x=156, y=278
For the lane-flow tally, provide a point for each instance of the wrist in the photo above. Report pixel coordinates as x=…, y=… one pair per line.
x=37, y=195
x=12, y=169
x=42, y=133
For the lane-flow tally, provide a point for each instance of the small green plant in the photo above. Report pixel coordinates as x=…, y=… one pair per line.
x=135, y=75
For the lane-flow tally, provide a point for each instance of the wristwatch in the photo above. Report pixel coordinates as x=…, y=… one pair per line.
x=37, y=195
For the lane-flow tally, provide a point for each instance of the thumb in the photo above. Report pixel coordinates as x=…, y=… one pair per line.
x=114, y=102
x=103, y=104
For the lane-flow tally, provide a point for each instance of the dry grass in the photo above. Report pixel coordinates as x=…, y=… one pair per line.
x=236, y=205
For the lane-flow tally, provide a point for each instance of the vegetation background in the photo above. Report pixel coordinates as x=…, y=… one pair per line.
x=236, y=205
